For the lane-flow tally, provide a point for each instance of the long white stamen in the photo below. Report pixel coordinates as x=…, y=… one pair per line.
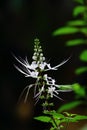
x=26, y=95
x=58, y=97
x=29, y=86
x=26, y=74
x=55, y=67
x=23, y=62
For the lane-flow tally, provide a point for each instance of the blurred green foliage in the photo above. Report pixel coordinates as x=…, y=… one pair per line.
x=75, y=27
x=83, y=56
x=81, y=70
x=78, y=25
x=79, y=90
x=68, y=106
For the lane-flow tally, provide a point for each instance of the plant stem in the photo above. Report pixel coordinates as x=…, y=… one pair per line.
x=67, y=124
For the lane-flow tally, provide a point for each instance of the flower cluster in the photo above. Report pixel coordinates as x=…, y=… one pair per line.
x=44, y=85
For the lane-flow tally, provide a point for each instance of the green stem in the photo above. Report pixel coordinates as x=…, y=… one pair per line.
x=67, y=124
x=54, y=122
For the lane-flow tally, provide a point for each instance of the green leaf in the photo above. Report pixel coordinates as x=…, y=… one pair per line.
x=83, y=30
x=69, y=106
x=75, y=42
x=80, y=117
x=77, y=23
x=80, y=1
x=75, y=118
x=79, y=90
x=65, y=30
x=83, y=56
x=43, y=119
x=79, y=10
x=81, y=70
x=54, y=114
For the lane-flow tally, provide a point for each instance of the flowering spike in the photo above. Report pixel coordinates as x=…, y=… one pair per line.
x=38, y=55
x=44, y=86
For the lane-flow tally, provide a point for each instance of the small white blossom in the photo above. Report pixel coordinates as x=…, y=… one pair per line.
x=56, y=67
x=33, y=66
x=27, y=72
x=34, y=74
x=49, y=80
x=42, y=65
x=54, y=92
x=51, y=91
x=34, y=57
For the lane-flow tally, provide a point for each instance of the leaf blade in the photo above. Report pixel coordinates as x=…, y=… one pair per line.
x=83, y=56
x=75, y=42
x=65, y=31
x=79, y=10
x=69, y=106
x=81, y=70
x=45, y=119
x=77, y=23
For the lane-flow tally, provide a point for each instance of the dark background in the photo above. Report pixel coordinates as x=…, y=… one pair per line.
x=20, y=22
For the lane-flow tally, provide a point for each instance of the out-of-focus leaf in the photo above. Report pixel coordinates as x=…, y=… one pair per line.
x=81, y=70
x=76, y=118
x=65, y=30
x=75, y=42
x=84, y=30
x=69, y=106
x=79, y=90
x=83, y=56
x=80, y=117
x=78, y=10
x=43, y=118
x=77, y=23
x=80, y=1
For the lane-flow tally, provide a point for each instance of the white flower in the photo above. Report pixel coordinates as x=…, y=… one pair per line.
x=34, y=74
x=42, y=65
x=53, y=92
x=33, y=66
x=26, y=64
x=56, y=67
x=49, y=80
x=27, y=72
